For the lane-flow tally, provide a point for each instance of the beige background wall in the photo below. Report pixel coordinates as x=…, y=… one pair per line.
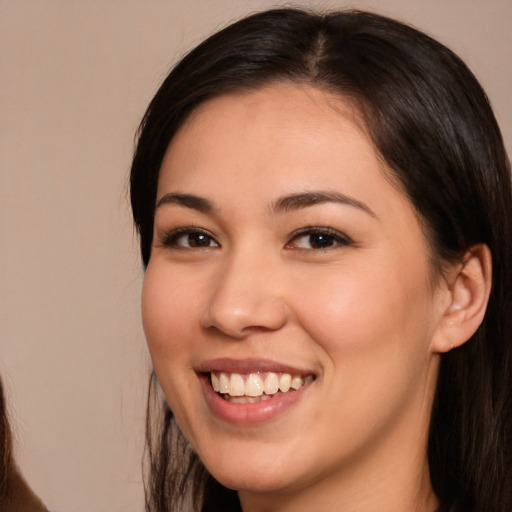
x=75, y=79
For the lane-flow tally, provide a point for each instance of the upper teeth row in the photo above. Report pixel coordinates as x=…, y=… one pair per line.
x=234, y=384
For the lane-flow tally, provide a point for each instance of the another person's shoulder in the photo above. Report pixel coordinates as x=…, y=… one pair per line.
x=19, y=497
x=15, y=493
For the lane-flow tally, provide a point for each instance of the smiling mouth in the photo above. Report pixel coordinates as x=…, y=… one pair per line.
x=256, y=387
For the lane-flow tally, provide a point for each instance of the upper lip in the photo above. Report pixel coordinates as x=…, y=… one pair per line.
x=229, y=365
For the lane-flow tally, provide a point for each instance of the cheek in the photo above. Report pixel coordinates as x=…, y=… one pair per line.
x=366, y=310
x=374, y=330
x=167, y=317
x=167, y=313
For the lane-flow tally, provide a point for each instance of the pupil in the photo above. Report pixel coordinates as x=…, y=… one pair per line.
x=320, y=241
x=198, y=240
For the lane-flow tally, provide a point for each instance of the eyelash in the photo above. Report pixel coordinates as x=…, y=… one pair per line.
x=332, y=238
x=171, y=238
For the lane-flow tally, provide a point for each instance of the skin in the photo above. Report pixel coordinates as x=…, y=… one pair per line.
x=365, y=314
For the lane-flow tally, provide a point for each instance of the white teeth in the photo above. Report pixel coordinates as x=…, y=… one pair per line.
x=236, y=385
x=284, y=382
x=271, y=384
x=253, y=385
x=223, y=383
x=297, y=382
x=215, y=382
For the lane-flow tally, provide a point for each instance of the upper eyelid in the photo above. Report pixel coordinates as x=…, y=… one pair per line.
x=339, y=238
x=173, y=234
x=309, y=230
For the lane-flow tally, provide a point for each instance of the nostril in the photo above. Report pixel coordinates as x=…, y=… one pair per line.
x=240, y=324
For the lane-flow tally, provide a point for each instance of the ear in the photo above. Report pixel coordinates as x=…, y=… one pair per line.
x=466, y=290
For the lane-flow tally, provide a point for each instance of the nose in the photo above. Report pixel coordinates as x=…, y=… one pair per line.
x=246, y=297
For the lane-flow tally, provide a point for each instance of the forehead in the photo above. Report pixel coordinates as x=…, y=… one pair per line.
x=279, y=125
x=284, y=102
x=284, y=96
x=249, y=148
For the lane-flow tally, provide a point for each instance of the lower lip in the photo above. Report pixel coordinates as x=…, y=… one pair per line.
x=246, y=414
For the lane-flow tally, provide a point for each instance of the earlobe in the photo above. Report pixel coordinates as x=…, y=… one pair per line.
x=468, y=288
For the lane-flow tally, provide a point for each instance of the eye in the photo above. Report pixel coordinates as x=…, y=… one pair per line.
x=189, y=238
x=316, y=238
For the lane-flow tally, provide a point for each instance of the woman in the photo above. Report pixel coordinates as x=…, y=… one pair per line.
x=324, y=209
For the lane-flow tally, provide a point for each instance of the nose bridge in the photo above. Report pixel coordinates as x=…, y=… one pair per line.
x=246, y=295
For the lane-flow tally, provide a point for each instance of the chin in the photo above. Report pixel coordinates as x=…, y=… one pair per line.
x=262, y=477
x=254, y=484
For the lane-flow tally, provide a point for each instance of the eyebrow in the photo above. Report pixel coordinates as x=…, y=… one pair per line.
x=188, y=201
x=306, y=199
x=287, y=203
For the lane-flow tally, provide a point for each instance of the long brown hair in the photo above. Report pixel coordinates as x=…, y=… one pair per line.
x=432, y=124
x=6, y=457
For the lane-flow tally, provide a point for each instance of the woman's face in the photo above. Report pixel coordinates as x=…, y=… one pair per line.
x=284, y=258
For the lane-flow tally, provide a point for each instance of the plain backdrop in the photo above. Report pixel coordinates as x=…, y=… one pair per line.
x=76, y=77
